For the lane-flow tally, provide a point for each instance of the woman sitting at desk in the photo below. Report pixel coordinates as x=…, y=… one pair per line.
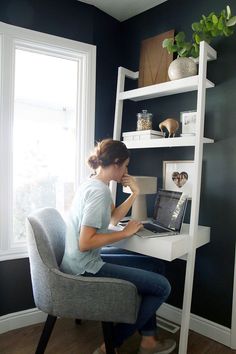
x=87, y=232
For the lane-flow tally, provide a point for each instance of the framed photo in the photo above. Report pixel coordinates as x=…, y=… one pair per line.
x=188, y=120
x=178, y=176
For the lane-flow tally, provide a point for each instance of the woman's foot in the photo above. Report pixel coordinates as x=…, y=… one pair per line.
x=151, y=346
x=98, y=351
x=102, y=350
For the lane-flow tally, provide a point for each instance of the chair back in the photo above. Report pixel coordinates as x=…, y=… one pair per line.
x=66, y=295
x=46, y=245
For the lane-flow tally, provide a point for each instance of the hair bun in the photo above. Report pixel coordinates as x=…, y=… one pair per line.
x=94, y=162
x=108, y=152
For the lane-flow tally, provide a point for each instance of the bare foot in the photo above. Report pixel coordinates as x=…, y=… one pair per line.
x=166, y=346
x=148, y=342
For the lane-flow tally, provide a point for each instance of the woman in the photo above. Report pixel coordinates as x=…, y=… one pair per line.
x=87, y=232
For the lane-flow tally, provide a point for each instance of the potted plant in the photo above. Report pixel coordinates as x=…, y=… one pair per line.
x=208, y=28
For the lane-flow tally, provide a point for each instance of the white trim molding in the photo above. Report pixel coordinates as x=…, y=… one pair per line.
x=21, y=319
x=198, y=324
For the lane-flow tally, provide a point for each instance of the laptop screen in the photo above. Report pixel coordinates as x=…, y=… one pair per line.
x=170, y=209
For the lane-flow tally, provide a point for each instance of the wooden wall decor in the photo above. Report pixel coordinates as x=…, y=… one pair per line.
x=154, y=60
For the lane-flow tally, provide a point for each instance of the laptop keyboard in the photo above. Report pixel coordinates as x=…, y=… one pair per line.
x=154, y=228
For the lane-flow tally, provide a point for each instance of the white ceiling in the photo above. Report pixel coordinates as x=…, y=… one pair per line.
x=123, y=9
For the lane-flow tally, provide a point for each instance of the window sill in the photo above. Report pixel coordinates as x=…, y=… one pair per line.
x=13, y=254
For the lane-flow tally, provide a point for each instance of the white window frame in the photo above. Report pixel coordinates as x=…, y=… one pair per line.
x=11, y=38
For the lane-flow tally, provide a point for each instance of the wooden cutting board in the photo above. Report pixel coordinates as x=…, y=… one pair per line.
x=154, y=60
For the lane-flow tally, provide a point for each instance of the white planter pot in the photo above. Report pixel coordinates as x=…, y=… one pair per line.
x=182, y=67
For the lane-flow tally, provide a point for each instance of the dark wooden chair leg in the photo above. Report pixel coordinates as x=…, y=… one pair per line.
x=47, y=330
x=107, y=328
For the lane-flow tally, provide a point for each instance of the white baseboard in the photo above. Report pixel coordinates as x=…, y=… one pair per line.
x=198, y=324
x=21, y=319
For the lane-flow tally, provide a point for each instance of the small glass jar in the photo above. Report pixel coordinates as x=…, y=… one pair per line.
x=144, y=120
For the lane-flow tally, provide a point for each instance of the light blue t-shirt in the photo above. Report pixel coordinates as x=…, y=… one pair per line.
x=91, y=207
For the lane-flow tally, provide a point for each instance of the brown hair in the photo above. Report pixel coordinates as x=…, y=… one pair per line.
x=108, y=152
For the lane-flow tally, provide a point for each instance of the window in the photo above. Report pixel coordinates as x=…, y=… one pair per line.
x=47, y=127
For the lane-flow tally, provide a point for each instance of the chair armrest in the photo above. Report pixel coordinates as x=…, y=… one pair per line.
x=93, y=298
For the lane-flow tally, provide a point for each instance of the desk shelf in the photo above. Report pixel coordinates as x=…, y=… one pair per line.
x=164, y=89
x=164, y=142
x=168, y=247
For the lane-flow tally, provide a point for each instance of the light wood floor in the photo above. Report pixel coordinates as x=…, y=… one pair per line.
x=69, y=338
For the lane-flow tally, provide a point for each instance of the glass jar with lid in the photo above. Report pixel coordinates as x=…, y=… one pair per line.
x=144, y=120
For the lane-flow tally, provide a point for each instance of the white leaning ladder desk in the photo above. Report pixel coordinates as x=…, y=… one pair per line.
x=192, y=236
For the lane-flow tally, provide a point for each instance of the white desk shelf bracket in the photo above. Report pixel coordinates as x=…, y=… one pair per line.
x=205, y=51
x=122, y=74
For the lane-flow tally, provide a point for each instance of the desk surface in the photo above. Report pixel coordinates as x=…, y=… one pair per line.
x=167, y=247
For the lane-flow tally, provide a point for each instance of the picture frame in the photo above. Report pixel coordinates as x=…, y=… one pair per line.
x=188, y=120
x=178, y=176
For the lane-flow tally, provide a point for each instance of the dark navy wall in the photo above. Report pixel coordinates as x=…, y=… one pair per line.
x=212, y=293
x=70, y=19
x=107, y=39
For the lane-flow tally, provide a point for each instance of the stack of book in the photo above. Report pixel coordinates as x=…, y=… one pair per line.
x=142, y=135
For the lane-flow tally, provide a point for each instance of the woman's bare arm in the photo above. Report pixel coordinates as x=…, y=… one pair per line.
x=90, y=239
x=121, y=211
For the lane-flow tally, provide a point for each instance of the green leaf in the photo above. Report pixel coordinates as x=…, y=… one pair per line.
x=196, y=47
x=214, y=19
x=214, y=33
x=180, y=37
x=223, y=13
x=169, y=50
x=209, y=26
x=195, y=26
x=188, y=45
x=174, y=48
x=231, y=22
x=225, y=31
x=197, y=38
x=182, y=51
x=220, y=23
x=211, y=14
x=166, y=42
x=228, y=31
x=194, y=53
x=228, y=10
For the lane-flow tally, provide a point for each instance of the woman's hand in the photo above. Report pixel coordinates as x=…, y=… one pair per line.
x=132, y=227
x=130, y=181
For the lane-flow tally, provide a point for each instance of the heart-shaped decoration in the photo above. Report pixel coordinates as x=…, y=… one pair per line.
x=179, y=178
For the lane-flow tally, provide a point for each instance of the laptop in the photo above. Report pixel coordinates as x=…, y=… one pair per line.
x=168, y=216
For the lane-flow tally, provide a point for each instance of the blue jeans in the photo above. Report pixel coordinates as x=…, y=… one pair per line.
x=153, y=288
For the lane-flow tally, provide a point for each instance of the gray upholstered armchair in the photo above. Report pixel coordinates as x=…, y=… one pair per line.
x=63, y=295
